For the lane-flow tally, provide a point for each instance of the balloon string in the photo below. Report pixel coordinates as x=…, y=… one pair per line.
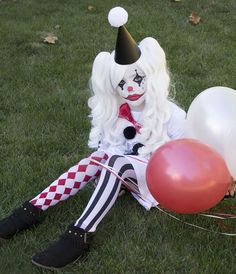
x=223, y=226
x=220, y=215
x=193, y=225
x=223, y=216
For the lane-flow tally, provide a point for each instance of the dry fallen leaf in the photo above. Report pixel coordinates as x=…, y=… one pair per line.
x=91, y=8
x=194, y=18
x=50, y=39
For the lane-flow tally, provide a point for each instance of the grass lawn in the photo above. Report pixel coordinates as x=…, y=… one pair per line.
x=44, y=126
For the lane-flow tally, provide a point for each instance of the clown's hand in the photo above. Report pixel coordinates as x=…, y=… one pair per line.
x=231, y=191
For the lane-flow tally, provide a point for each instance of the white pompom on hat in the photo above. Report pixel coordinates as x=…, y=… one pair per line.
x=117, y=17
x=127, y=51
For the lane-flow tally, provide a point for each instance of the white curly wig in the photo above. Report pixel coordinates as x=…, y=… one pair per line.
x=105, y=102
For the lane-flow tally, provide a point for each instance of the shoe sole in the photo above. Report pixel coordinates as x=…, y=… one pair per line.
x=82, y=258
x=44, y=266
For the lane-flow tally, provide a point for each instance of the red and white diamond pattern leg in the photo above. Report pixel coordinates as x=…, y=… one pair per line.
x=69, y=183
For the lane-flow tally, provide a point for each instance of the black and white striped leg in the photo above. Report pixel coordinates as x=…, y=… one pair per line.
x=106, y=193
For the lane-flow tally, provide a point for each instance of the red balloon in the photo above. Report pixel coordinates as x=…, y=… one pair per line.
x=186, y=176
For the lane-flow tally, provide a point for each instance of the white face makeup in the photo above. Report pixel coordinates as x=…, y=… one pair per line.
x=132, y=87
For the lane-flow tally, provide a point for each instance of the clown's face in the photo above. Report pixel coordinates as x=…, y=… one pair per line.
x=132, y=88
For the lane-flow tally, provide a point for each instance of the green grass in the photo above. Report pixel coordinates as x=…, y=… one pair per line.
x=44, y=126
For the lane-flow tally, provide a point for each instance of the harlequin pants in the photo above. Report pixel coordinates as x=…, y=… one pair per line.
x=103, y=197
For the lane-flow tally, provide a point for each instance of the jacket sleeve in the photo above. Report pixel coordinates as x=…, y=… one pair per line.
x=176, y=128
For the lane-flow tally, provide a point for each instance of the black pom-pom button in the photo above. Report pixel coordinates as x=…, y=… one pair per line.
x=129, y=132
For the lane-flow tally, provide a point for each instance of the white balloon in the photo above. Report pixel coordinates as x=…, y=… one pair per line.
x=230, y=151
x=211, y=116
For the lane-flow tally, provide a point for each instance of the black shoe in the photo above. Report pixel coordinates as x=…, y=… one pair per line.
x=22, y=218
x=228, y=196
x=72, y=245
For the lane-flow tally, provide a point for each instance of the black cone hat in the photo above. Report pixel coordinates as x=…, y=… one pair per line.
x=127, y=51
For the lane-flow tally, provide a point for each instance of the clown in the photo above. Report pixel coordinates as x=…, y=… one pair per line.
x=131, y=116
